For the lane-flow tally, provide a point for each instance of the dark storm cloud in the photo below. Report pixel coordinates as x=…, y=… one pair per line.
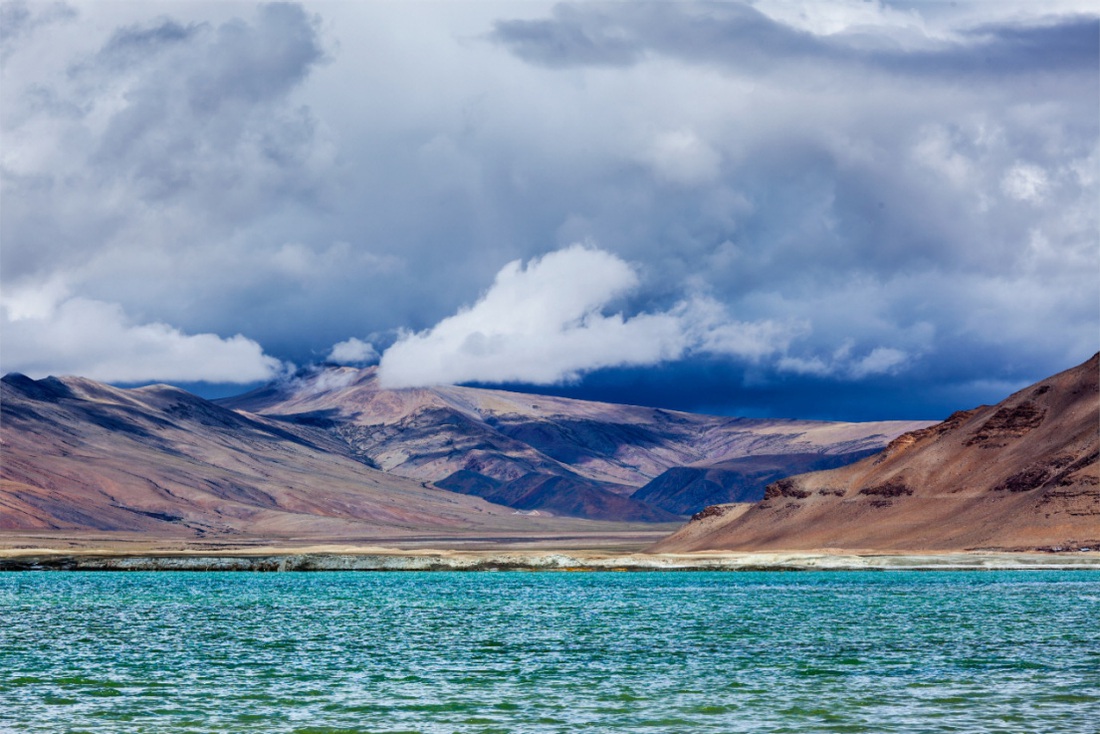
x=188, y=116
x=1070, y=44
x=898, y=204
x=206, y=99
x=573, y=37
x=739, y=36
x=880, y=211
x=135, y=43
x=620, y=35
x=166, y=139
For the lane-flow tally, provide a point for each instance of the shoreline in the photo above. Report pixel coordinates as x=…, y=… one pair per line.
x=375, y=558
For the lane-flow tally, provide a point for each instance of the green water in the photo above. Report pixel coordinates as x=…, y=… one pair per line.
x=550, y=652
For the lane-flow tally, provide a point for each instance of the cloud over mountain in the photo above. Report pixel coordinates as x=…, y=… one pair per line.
x=52, y=333
x=838, y=209
x=544, y=323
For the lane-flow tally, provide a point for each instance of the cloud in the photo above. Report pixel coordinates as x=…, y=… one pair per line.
x=47, y=332
x=842, y=364
x=18, y=20
x=544, y=323
x=840, y=16
x=1025, y=182
x=880, y=361
x=681, y=157
x=918, y=177
x=316, y=380
x=574, y=35
x=353, y=351
x=540, y=324
x=740, y=36
x=165, y=133
x=710, y=330
x=159, y=162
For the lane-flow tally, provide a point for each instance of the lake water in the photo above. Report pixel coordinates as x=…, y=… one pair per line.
x=897, y=651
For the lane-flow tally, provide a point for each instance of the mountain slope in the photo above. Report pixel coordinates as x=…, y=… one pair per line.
x=1021, y=474
x=441, y=434
x=82, y=456
x=684, y=490
x=560, y=495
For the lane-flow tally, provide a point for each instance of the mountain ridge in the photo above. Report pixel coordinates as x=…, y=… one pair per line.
x=331, y=452
x=80, y=455
x=433, y=434
x=1021, y=474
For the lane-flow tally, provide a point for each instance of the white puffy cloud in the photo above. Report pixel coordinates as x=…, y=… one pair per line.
x=540, y=324
x=353, y=351
x=544, y=324
x=47, y=332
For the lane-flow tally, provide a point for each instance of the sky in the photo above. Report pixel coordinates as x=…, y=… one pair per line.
x=845, y=210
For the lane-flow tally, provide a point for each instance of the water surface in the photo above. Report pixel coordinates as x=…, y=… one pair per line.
x=444, y=652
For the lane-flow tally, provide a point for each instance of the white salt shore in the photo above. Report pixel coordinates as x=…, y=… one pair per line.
x=374, y=558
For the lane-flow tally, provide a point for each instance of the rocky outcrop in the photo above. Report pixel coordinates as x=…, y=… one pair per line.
x=1021, y=474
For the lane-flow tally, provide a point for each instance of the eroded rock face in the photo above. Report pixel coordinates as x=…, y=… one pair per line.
x=1022, y=474
x=1059, y=471
x=708, y=512
x=920, y=436
x=892, y=487
x=1009, y=422
x=785, y=488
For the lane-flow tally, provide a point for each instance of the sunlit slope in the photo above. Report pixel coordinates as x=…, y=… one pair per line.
x=1017, y=475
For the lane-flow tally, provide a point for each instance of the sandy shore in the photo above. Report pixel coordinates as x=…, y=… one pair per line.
x=380, y=558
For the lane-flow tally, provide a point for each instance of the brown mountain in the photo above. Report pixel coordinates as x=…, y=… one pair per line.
x=544, y=453
x=1021, y=474
x=81, y=456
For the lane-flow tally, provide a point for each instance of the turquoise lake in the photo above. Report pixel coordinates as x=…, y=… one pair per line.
x=895, y=651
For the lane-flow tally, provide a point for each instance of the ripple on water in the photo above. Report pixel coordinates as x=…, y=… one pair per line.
x=464, y=653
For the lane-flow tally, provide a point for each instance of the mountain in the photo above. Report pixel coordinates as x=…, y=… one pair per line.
x=684, y=490
x=560, y=495
x=536, y=452
x=1022, y=474
x=80, y=456
x=331, y=454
